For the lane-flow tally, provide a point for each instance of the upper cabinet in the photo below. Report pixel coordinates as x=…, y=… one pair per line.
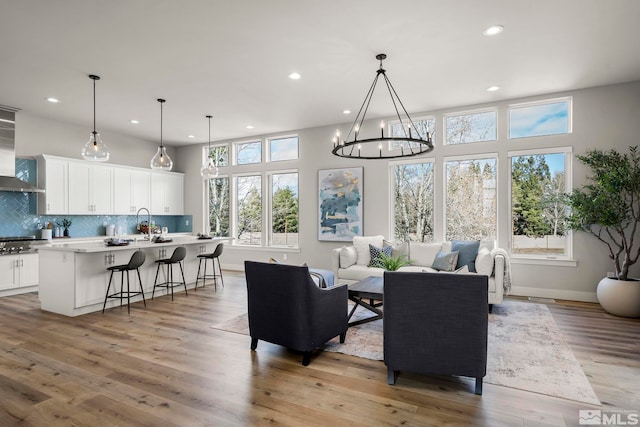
x=132, y=190
x=167, y=193
x=77, y=187
x=90, y=189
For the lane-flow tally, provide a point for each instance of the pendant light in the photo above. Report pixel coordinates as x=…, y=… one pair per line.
x=161, y=160
x=209, y=169
x=95, y=150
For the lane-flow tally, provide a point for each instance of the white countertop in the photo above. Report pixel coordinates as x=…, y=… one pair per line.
x=91, y=246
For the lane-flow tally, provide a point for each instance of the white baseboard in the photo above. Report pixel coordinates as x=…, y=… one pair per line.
x=554, y=293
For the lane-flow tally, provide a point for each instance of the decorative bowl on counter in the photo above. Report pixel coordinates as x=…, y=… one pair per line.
x=112, y=241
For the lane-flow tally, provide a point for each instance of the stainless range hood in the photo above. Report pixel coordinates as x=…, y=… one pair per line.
x=8, y=180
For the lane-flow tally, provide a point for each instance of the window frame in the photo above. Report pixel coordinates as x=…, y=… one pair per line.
x=445, y=116
x=568, y=182
x=268, y=147
x=236, y=144
x=269, y=208
x=235, y=211
x=568, y=99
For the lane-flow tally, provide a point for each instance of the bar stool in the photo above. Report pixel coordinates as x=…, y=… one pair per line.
x=215, y=255
x=176, y=258
x=137, y=259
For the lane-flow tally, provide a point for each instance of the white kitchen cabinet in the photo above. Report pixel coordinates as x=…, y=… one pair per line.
x=131, y=190
x=92, y=276
x=18, y=271
x=90, y=189
x=53, y=178
x=167, y=193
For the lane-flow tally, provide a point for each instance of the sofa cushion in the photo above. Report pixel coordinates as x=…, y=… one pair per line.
x=445, y=261
x=417, y=269
x=423, y=253
x=468, y=251
x=376, y=254
x=348, y=256
x=399, y=248
x=362, y=243
x=484, y=262
x=359, y=272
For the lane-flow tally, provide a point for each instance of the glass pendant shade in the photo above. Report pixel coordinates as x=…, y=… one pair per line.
x=161, y=160
x=209, y=169
x=95, y=150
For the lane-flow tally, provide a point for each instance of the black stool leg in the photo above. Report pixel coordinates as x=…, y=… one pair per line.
x=155, y=282
x=170, y=278
x=128, y=294
x=121, y=287
x=141, y=288
x=198, y=275
x=107, y=295
x=220, y=270
x=184, y=282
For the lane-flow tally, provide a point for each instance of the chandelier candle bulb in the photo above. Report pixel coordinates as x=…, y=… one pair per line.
x=381, y=129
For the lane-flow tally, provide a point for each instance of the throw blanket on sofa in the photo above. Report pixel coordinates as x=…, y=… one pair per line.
x=506, y=280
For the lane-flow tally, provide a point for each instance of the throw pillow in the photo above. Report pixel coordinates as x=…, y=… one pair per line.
x=463, y=269
x=348, y=256
x=362, y=243
x=468, y=253
x=445, y=261
x=376, y=255
x=484, y=262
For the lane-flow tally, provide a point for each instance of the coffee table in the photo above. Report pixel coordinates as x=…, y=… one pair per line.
x=371, y=289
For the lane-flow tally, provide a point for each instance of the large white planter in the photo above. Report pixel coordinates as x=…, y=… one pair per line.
x=620, y=297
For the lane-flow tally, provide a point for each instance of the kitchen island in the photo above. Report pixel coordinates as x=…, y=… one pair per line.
x=74, y=276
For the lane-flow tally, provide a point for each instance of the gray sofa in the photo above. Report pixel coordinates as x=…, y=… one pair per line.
x=350, y=263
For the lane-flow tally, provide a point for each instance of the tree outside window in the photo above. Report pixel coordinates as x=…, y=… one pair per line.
x=284, y=212
x=249, y=206
x=413, y=202
x=471, y=127
x=537, y=204
x=471, y=202
x=219, y=207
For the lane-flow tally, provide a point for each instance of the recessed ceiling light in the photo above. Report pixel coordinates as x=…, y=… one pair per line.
x=346, y=112
x=190, y=136
x=493, y=30
x=134, y=121
x=249, y=127
x=53, y=100
x=294, y=76
x=493, y=88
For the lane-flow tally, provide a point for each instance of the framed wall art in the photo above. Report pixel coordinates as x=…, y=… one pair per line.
x=340, y=203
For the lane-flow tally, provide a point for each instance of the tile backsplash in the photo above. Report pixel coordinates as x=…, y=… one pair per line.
x=19, y=217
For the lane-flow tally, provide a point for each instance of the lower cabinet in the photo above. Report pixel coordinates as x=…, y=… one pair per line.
x=18, y=271
x=92, y=276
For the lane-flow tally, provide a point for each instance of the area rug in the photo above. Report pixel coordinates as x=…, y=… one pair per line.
x=525, y=350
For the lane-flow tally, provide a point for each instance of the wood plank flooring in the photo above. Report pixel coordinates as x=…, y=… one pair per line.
x=165, y=366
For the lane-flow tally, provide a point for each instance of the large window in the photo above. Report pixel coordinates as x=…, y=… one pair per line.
x=284, y=209
x=413, y=201
x=285, y=148
x=469, y=127
x=538, y=185
x=419, y=129
x=219, y=207
x=248, y=199
x=540, y=118
x=471, y=199
x=219, y=154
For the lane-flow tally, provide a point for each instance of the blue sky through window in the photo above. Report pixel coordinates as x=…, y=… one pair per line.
x=537, y=120
x=283, y=149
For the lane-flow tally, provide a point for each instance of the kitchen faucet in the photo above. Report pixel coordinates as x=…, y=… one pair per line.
x=148, y=236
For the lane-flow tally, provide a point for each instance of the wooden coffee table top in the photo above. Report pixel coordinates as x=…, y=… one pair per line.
x=372, y=287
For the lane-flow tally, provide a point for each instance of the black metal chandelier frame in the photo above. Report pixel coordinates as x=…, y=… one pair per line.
x=414, y=145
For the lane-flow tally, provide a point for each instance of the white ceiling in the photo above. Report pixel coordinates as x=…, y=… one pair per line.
x=231, y=59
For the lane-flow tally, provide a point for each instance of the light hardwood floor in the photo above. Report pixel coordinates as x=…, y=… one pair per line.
x=165, y=366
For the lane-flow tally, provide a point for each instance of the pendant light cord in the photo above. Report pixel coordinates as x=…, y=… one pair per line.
x=94, y=107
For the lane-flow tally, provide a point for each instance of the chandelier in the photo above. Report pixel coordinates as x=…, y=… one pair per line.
x=401, y=140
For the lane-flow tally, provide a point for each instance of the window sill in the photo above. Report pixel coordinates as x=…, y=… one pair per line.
x=558, y=262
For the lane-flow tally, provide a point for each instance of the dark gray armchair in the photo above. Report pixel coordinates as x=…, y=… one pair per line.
x=287, y=308
x=436, y=323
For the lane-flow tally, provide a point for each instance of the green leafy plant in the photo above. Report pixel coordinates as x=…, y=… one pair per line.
x=608, y=207
x=393, y=263
x=65, y=223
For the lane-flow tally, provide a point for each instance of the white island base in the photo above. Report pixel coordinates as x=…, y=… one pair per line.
x=74, y=276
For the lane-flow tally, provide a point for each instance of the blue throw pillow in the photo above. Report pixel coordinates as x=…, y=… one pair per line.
x=445, y=261
x=376, y=255
x=468, y=251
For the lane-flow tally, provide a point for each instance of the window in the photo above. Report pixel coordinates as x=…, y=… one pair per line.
x=248, y=152
x=412, y=185
x=219, y=154
x=421, y=127
x=248, y=202
x=471, y=127
x=283, y=149
x=540, y=118
x=471, y=199
x=219, y=207
x=538, y=184
x=284, y=209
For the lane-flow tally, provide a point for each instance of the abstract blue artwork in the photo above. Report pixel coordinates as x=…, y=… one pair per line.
x=340, y=203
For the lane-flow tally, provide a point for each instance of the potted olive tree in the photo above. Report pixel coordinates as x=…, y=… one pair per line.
x=608, y=207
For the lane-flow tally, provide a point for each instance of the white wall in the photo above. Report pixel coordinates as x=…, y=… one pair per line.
x=36, y=135
x=603, y=117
